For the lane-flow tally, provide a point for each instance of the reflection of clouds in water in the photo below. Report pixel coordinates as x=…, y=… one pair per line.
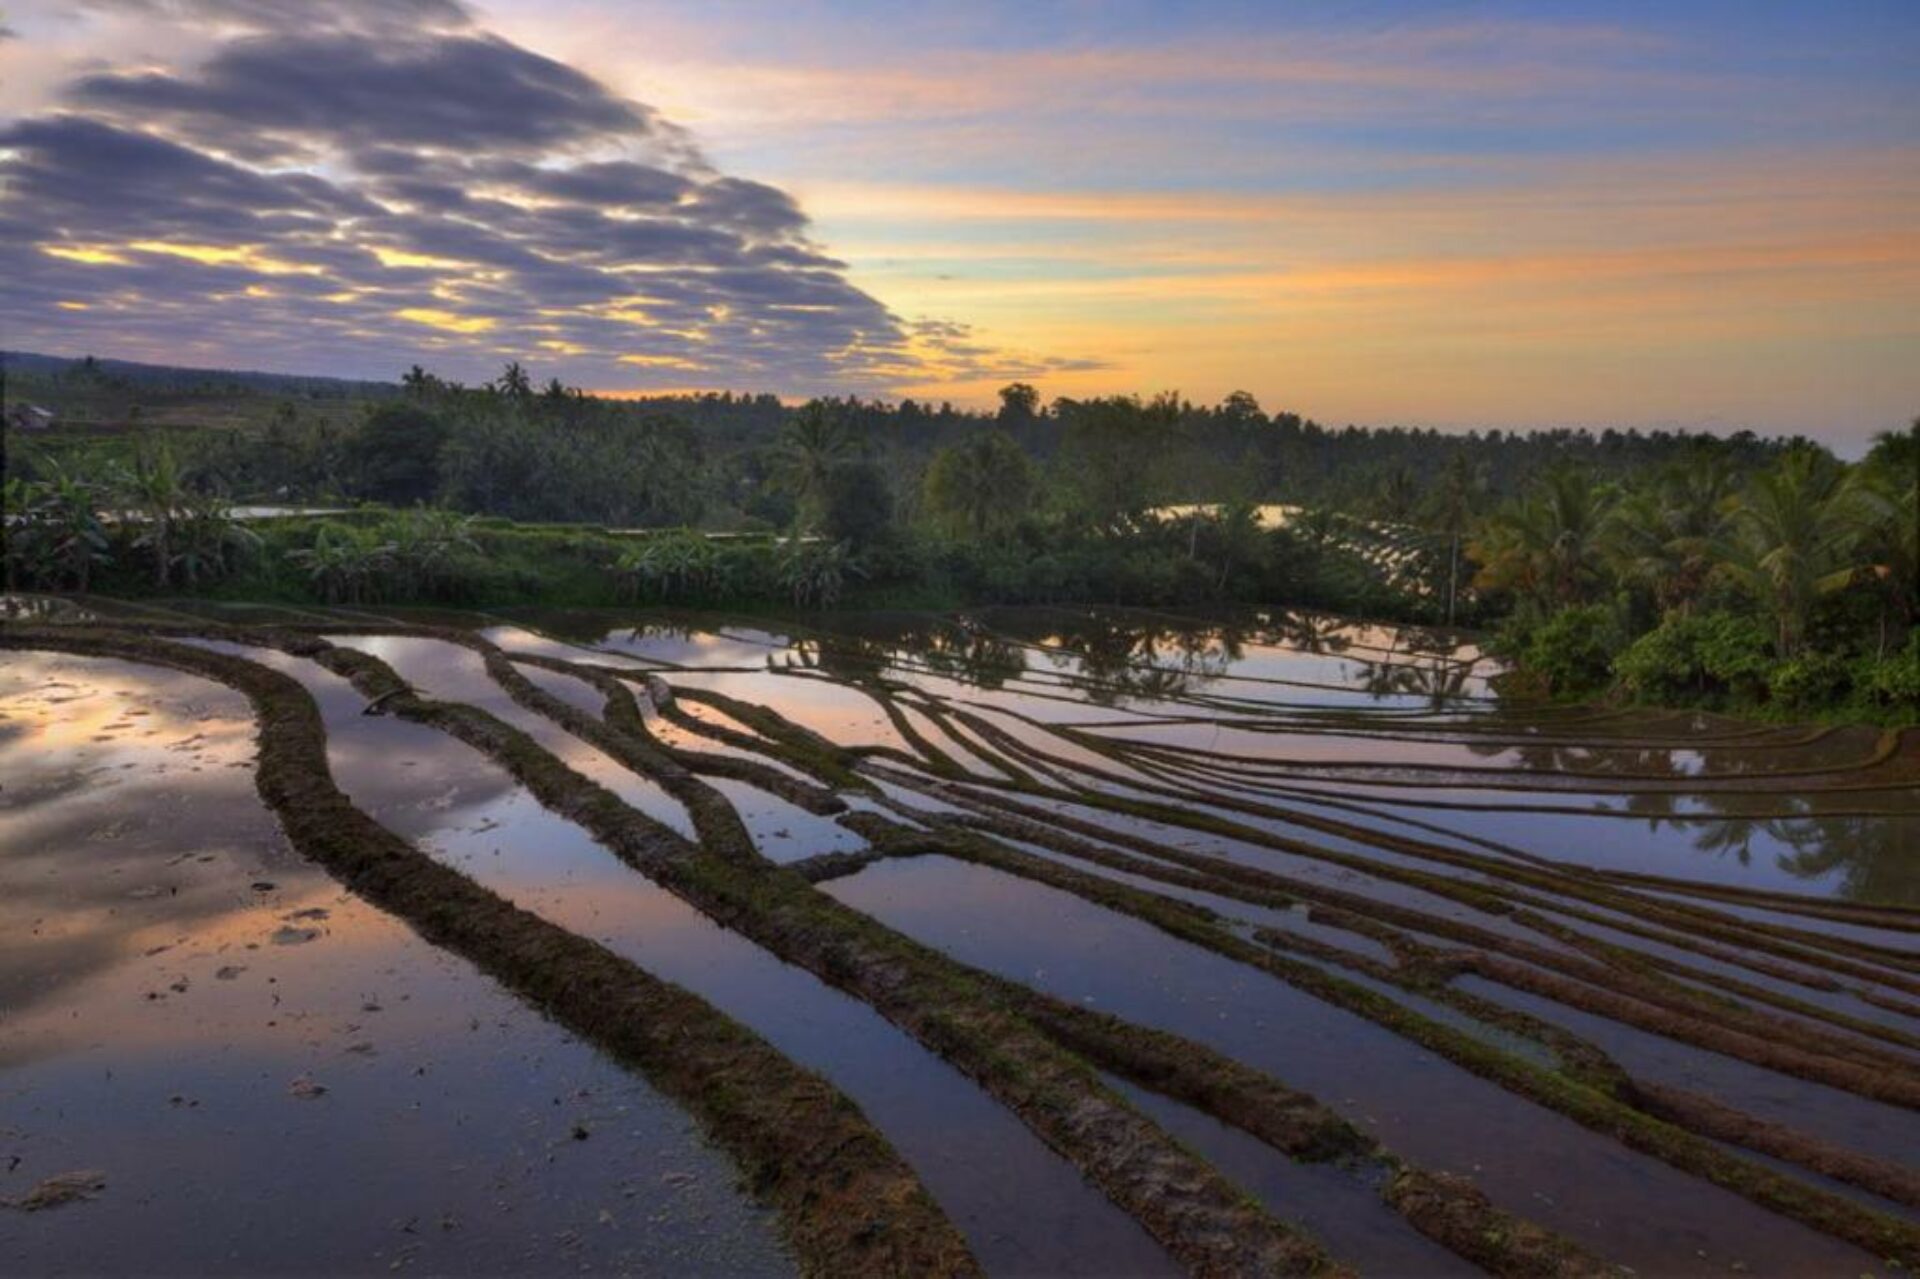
x=410, y=777
x=63, y=703
x=88, y=877
x=154, y=1004
x=439, y=669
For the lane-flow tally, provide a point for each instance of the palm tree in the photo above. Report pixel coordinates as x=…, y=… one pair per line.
x=814, y=442
x=1397, y=496
x=417, y=382
x=982, y=485
x=1889, y=489
x=1239, y=539
x=426, y=545
x=160, y=499
x=1790, y=538
x=1454, y=500
x=815, y=572
x=207, y=536
x=1662, y=535
x=1546, y=547
x=513, y=382
x=345, y=563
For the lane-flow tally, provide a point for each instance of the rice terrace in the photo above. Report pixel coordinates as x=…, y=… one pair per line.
x=1041, y=640
x=1021, y=940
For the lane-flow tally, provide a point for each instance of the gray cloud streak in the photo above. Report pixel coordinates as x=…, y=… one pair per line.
x=392, y=184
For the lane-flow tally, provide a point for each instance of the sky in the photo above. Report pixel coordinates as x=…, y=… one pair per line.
x=1700, y=215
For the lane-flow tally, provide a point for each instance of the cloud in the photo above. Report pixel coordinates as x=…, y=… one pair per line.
x=291, y=94
x=341, y=193
x=294, y=14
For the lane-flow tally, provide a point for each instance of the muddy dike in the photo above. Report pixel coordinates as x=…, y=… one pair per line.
x=847, y=1202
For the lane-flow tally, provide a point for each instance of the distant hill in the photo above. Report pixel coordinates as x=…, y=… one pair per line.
x=174, y=379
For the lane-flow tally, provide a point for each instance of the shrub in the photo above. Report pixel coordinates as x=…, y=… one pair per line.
x=434, y=554
x=1572, y=652
x=1811, y=681
x=814, y=573
x=680, y=565
x=345, y=565
x=1893, y=681
x=1701, y=655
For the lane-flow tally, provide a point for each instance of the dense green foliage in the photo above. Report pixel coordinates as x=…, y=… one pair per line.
x=1792, y=588
x=1733, y=572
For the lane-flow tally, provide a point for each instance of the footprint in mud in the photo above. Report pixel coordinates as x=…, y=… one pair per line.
x=291, y=936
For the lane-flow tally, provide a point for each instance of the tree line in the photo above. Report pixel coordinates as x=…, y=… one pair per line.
x=1722, y=570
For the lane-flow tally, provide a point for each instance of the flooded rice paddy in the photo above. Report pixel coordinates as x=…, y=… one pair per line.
x=1106, y=943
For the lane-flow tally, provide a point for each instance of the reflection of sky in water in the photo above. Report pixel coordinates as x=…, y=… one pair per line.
x=1868, y=858
x=449, y=672
x=1875, y=1128
x=846, y=715
x=155, y=1006
x=123, y=772
x=1529, y=1159
x=1019, y=1202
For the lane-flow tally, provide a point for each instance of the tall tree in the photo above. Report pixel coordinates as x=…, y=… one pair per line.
x=1019, y=401
x=814, y=442
x=160, y=498
x=1790, y=538
x=514, y=382
x=981, y=486
x=1662, y=535
x=1546, y=546
x=1889, y=486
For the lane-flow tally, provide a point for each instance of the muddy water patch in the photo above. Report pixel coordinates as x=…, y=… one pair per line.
x=1530, y=1160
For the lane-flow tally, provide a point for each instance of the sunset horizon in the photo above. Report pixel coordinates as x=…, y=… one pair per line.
x=1476, y=216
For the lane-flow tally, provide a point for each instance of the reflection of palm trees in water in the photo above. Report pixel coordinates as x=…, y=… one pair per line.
x=1735, y=837
x=1872, y=858
x=1130, y=656
x=1436, y=682
x=955, y=651
x=1652, y=763
x=1877, y=858
x=1318, y=633
x=974, y=657
x=845, y=659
